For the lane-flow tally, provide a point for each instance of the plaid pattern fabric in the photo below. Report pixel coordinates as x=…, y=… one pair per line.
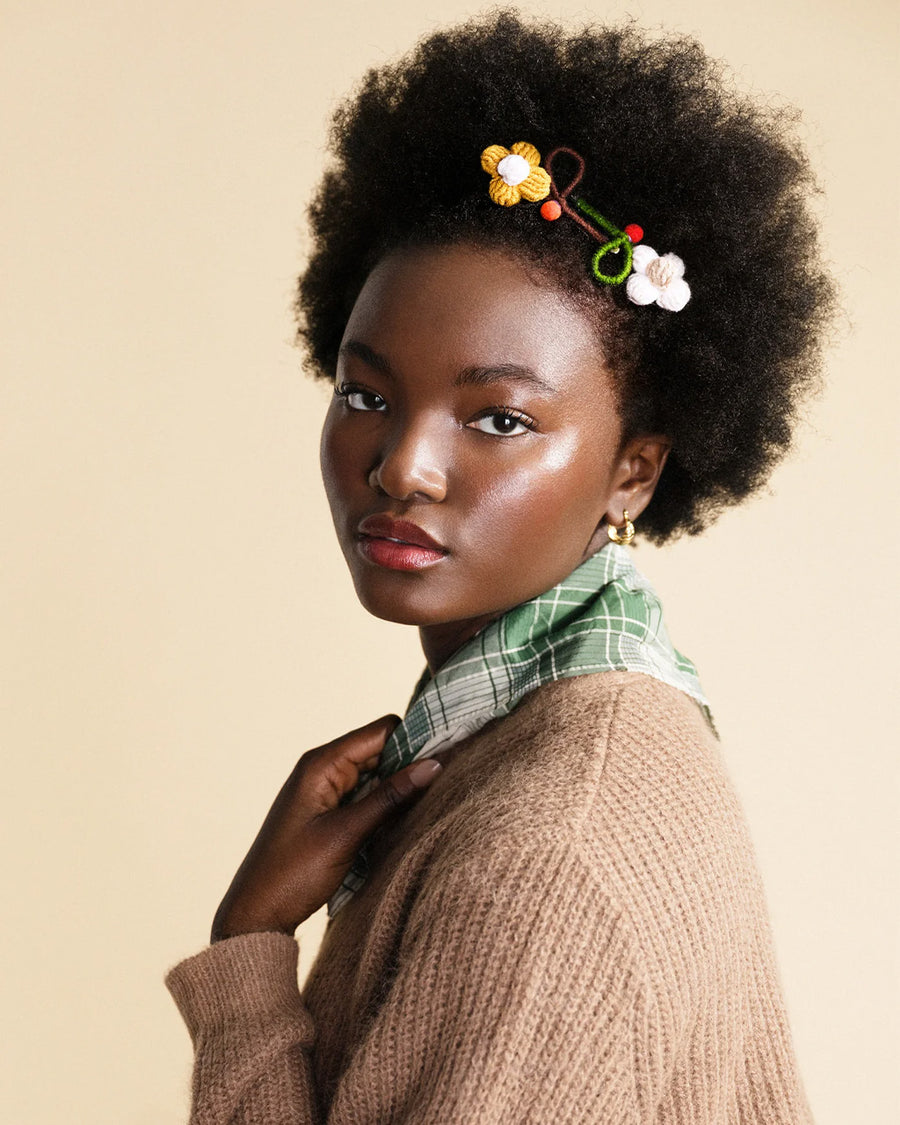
x=604, y=617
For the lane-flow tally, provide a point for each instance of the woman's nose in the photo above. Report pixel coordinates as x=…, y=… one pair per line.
x=410, y=466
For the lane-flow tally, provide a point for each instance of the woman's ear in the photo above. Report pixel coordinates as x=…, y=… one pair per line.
x=641, y=462
x=633, y=483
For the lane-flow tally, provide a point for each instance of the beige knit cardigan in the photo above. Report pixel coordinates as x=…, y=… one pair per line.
x=568, y=927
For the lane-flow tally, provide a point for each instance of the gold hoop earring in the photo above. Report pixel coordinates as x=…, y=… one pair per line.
x=624, y=537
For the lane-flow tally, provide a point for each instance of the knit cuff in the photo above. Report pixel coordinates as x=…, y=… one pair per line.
x=250, y=979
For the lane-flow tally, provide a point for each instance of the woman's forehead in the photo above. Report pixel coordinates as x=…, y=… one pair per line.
x=466, y=307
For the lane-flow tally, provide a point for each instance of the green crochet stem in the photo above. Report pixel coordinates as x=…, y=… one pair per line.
x=617, y=238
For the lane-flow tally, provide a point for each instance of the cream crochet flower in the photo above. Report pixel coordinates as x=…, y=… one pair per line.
x=659, y=279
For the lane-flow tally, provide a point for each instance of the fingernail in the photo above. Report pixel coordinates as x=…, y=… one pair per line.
x=423, y=772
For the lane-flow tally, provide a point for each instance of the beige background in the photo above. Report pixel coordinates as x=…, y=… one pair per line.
x=177, y=622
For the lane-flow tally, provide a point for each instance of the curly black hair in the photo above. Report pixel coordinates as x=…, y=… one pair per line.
x=710, y=175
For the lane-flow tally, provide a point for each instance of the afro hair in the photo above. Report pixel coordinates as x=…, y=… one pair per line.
x=710, y=175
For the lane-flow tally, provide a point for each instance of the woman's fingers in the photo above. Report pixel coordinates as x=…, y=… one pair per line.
x=331, y=771
x=364, y=742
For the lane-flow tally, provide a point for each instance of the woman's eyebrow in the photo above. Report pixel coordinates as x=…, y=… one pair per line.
x=368, y=355
x=475, y=375
x=502, y=373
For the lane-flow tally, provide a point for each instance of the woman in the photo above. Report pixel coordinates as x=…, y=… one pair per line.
x=543, y=900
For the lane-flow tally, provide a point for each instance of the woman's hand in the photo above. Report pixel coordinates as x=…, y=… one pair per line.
x=307, y=842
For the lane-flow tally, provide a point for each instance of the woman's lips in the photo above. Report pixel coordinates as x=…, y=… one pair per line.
x=397, y=544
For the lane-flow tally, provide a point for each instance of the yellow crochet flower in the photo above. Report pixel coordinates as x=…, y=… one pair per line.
x=515, y=173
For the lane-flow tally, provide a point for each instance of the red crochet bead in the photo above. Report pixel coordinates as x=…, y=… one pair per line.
x=551, y=209
x=634, y=232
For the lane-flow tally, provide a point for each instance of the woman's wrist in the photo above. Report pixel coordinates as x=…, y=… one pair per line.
x=224, y=927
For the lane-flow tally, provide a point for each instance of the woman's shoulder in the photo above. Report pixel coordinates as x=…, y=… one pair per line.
x=622, y=767
x=558, y=755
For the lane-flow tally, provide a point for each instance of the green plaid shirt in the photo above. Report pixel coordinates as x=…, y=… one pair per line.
x=604, y=617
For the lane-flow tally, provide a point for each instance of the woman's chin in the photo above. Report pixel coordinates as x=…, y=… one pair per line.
x=404, y=606
x=395, y=617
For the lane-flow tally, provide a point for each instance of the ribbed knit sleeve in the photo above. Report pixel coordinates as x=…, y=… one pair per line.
x=516, y=997
x=240, y=1002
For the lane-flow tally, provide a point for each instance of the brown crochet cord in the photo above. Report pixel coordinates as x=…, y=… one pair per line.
x=561, y=196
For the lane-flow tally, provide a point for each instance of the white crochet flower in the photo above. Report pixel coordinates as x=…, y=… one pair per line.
x=659, y=279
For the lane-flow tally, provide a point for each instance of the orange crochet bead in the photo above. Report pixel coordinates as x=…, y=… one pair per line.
x=551, y=209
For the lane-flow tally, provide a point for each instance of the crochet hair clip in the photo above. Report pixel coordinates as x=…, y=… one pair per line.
x=516, y=174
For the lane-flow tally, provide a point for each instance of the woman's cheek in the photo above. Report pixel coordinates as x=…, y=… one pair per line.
x=326, y=440
x=542, y=471
x=336, y=456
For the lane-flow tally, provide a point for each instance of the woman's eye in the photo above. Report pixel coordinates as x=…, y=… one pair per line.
x=362, y=400
x=501, y=424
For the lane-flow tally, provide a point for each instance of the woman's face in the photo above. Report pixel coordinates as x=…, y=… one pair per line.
x=472, y=449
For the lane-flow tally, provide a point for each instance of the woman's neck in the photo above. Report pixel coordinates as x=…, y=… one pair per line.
x=439, y=642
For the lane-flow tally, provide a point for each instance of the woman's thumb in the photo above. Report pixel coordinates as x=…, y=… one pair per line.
x=361, y=818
